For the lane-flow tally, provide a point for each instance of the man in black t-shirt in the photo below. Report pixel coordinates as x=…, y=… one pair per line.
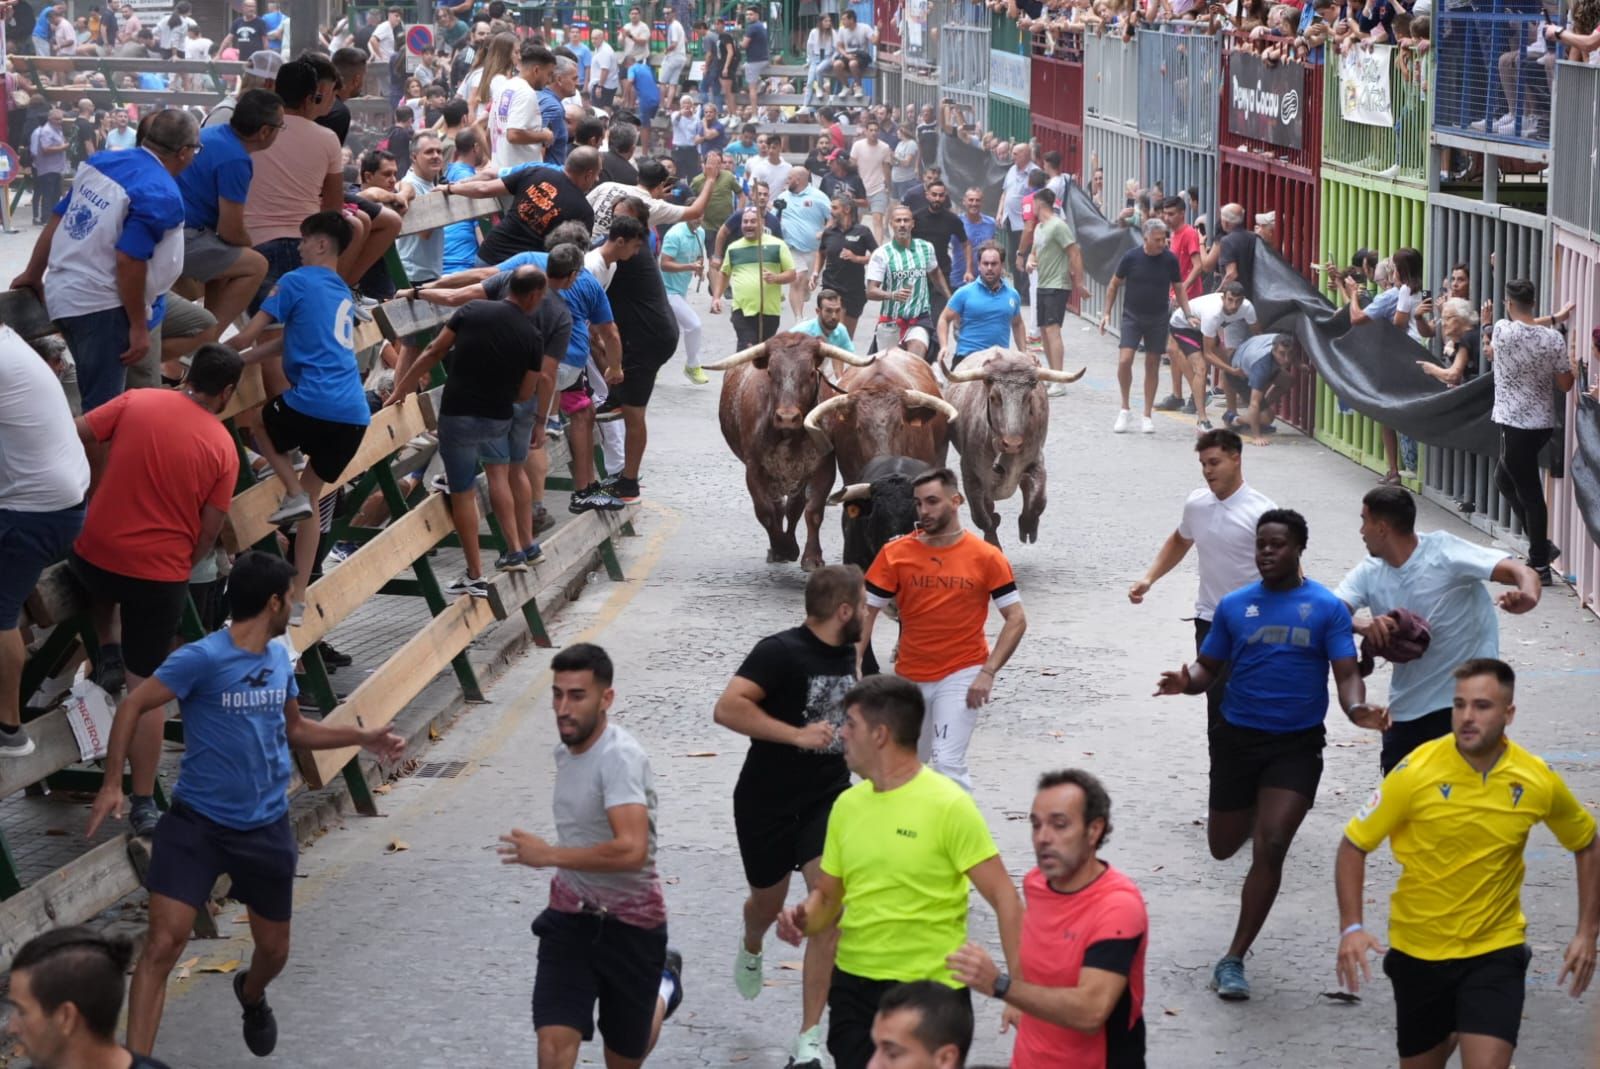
x=249, y=33
x=649, y=332
x=1237, y=249
x=843, y=251
x=938, y=225
x=788, y=697
x=1149, y=274
x=542, y=198
x=495, y=355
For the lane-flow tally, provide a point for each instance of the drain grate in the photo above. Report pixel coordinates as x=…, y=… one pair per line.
x=439, y=770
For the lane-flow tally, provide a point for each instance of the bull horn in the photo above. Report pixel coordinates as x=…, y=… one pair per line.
x=1050, y=374
x=755, y=352
x=814, y=417
x=972, y=369
x=851, y=492
x=846, y=356
x=917, y=397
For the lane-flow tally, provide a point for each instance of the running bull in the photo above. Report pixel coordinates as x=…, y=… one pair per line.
x=767, y=391
x=1004, y=418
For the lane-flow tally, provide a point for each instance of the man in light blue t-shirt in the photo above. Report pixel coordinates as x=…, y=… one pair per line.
x=805, y=212
x=683, y=256
x=985, y=312
x=828, y=323
x=236, y=691
x=1440, y=578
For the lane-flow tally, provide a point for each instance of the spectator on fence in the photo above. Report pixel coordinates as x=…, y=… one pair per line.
x=261, y=72
x=654, y=185
x=217, y=246
x=1150, y=273
x=113, y=248
x=852, y=57
x=643, y=96
x=48, y=147
x=604, y=74
x=387, y=47
x=686, y=130
x=1399, y=280
x=542, y=198
x=422, y=253
x=461, y=239
x=560, y=81
x=1458, y=326
x=616, y=162
x=173, y=31
x=819, y=60
x=44, y=477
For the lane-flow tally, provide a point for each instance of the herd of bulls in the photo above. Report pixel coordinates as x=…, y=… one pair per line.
x=880, y=423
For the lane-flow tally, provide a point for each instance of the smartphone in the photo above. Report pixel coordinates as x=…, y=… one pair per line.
x=1130, y=202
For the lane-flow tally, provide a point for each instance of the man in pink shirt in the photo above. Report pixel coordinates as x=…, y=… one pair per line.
x=1185, y=245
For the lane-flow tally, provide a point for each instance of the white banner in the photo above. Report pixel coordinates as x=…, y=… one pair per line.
x=1008, y=75
x=1364, y=95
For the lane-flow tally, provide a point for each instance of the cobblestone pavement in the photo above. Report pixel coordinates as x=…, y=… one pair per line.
x=424, y=953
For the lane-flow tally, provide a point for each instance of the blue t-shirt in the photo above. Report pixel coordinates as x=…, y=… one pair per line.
x=221, y=170
x=554, y=115
x=755, y=49
x=1254, y=358
x=977, y=233
x=838, y=336
x=739, y=154
x=585, y=57
x=460, y=239
x=644, y=85
x=986, y=316
x=685, y=243
x=586, y=300
x=717, y=143
x=319, y=357
x=1280, y=644
x=804, y=216
x=235, y=767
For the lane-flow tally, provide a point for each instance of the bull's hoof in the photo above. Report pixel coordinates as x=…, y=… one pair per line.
x=782, y=556
x=1028, y=529
x=810, y=564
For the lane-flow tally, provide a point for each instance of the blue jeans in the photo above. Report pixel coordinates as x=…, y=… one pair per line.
x=29, y=543
x=460, y=439
x=97, y=341
x=282, y=256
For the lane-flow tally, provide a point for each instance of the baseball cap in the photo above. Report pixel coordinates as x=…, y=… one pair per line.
x=264, y=64
x=1266, y=219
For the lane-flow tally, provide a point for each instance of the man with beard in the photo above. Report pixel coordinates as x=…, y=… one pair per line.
x=938, y=226
x=787, y=698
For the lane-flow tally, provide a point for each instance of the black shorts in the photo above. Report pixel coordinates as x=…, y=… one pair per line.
x=1189, y=339
x=1151, y=331
x=151, y=610
x=864, y=59
x=775, y=842
x=1404, y=736
x=329, y=447
x=189, y=852
x=854, y=301
x=1051, y=309
x=585, y=958
x=639, y=370
x=1244, y=760
x=1481, y=996
x=852, y=1005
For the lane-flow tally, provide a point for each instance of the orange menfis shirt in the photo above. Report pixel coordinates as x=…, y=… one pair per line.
x=944, y=594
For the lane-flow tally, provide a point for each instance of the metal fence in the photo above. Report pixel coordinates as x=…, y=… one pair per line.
x=1574, y=190
x=1177, y=168
x=964, y=72
x=1576, y=271
x=1056, y=96
x=1115, y=150
x=1111, y=79
x=1494, y=78
x=1008, y=119
x=1180, y=85
x=1399, y=152
x=922, y=19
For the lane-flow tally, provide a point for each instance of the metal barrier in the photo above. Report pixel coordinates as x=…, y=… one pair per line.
x=1010, y=73
x=1491, y=69
x=919, y=88
x=1116, y=150
x=1399, y=152
x=1574, y=192
x=1576, y=270
x=1180, y=81
x=1111, y=79
x=1056, y=78
x=964, y=72
x=1177, y=168
x=1008, y=119
x=1467, y=231
x=922, y=21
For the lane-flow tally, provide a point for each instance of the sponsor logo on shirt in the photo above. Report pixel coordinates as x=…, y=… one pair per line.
x=1251, y=612
x=1372, y=804
x=946, y=582
x=906, y=832
x=1444, y=789
x=1516, y=794
x=1305, y=611
x=80, y=220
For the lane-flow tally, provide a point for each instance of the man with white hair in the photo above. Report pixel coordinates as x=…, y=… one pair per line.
x=805, y=211
x=1149, y=274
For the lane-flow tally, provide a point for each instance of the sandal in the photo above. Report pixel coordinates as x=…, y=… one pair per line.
x=1392, y=479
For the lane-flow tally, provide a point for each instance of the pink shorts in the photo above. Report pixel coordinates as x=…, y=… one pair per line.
x=575, y=400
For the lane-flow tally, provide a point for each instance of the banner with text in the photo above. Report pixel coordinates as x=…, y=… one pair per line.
x=1266, y=103
x=1364, y=95
x=1008, y=76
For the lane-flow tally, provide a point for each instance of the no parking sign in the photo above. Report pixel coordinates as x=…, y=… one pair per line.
x=418, y=39
x=9, y=165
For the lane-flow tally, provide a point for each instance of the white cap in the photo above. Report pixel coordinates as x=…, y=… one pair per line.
x=264, y=64
x=1267, y=219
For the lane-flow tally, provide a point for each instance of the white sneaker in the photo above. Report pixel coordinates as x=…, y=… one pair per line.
x=1121, y=425
x=1057, y=389
x=294, y=508
x=808, y=1049
x=1147, y=426
x=747, y=971
x=1505, y=123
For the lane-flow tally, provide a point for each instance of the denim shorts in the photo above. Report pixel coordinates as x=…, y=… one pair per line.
x=97, y=342
x=460, y=439
x=29, y=543
x=514, y=447
x=283, y=256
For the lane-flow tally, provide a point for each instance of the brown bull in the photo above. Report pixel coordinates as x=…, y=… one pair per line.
x=1000, y=432
x=766, y=394
x=890, y=408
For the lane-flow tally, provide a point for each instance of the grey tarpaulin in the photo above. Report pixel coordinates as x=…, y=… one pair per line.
x=967, y=166
x=1584, y=471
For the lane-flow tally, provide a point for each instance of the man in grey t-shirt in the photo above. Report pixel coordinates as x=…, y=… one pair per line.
x=603, y=937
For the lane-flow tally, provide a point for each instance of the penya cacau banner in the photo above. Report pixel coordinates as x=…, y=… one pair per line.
x=1266, y=102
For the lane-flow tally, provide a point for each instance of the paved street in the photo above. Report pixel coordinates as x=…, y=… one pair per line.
x=425, y=952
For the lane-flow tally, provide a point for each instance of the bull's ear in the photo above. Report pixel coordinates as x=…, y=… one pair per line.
x=761, y=361
x=859, y=508
x=921, y=415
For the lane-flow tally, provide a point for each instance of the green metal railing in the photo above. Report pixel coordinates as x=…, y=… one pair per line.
x=1008, y=120
x=1398, y=153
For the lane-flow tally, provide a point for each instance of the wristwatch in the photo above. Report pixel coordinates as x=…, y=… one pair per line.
x=1002, y=984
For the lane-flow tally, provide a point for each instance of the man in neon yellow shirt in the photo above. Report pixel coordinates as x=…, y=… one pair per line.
x=902, y=848
x=758, y=265
x=1457, y=812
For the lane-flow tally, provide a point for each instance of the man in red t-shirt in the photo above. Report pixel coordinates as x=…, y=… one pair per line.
x=1185, y=245
x=1079, y=1000
x=155, y=512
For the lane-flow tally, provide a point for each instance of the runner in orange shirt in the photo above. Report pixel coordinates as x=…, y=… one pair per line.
x=943, y=578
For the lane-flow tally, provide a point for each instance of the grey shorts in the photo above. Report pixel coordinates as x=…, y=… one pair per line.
x=755, y=73
x=672, y=69
x=878, y=203
x=205, y=256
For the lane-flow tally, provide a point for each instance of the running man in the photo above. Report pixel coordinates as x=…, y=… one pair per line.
x=1278, y=636
x=1220, y=519
x=788, y=698
x=898, y=274
x=603, y=937
x=944, y=578
x=985, y=312
x=1457, y=813
x=1149, y=274
x=904, y=847
x=230, y=810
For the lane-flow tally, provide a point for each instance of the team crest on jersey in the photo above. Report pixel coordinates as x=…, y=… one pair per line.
x=1516, y=794
x=1371, y=807
x=79, y=220
x=1251, y=612
x=1444, y=789
x=1305, y=611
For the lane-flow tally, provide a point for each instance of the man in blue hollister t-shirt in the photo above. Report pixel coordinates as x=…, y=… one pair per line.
x=324, y=413
x=236, y=691
x=1277, y=638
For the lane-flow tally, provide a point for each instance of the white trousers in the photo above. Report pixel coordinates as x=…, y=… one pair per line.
x=610, y=432
x=689, y=327
x=947, y=724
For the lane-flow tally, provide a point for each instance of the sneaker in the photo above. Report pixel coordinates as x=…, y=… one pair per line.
x=1188, y=408
x=1228, y=981
x=626, y=490
x=1505, y=124
x=1551, y=551
x=674, y=972
x=1546, y=576
x=109, y=675
x=260, y=1027
x=478, y=588
x=15, y=743
x=553, y=427
x=696, y=376
x=297, y=613
x=807, y=1050
x=1170, y=403
x=459, y=585
x=542, y=522
x=1202, y=426
x=592, y=497
x=1057, y=389
x=532, y=554
x=511, y=562
x=1121, y=425
x=440, y=483
x=332, y=658
x=747, y=971
x=143, y=816
x=1229, y=418
x=294, y=508
x=341, y=552
x=1147, y=425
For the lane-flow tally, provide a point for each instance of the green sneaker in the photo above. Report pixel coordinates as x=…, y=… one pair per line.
x=747, y=971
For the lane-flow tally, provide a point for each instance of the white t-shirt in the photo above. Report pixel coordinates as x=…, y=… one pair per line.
x=168, y=36
x=603, y=68
x=856, y=40
x=1223, y=531
x=383, y=41
x=603, y=199
x=636, y=41
x=599, y=268
x=197, y=48
x=869, y=160
x=677, y=41
x=775, y=175
x=1526, y=360
x=42, y=464
x=1213, y=320
x=516, y=108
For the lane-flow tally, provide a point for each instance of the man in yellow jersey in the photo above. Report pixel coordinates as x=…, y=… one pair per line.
x=1457, y=812
x=944, y=578
x=902, y=848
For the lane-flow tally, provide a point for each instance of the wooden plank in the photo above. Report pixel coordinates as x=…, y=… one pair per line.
x=24, y=313
x=56, y=597
x=390, y=429
x=433, y=210
x=404, y=317
x=798, y=129
x=72, y=894
x=252, y=393
x=565, y=547
x=67, y=64
x=341, y=591
x=54, y=748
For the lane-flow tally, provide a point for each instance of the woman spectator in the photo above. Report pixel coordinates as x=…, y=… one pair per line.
x=491, y=69
x=819, y=60
x=1458, y=325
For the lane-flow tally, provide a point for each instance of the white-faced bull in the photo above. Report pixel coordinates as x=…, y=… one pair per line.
x=766, y=395
x=890, y=408
x=1004, y=417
